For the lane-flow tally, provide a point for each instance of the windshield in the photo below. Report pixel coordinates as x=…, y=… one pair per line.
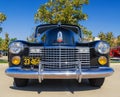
x=59, y=36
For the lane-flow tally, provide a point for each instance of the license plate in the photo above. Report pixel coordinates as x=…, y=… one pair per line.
x=31, y=60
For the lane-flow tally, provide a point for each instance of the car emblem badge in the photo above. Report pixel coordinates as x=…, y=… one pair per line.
x=59, y=37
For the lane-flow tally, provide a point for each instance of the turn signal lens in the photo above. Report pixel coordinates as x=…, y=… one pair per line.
x=16, y=60
x=102, y=60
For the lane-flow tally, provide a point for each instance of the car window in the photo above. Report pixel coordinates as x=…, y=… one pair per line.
x=41, y=37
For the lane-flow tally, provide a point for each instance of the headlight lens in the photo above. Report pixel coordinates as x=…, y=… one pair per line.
x=16, y=47
x=102, y=47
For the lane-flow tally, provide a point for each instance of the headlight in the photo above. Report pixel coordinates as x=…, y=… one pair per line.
x=102, y=47
x=16, y=47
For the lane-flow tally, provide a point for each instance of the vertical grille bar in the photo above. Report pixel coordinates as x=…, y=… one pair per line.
x=59, y=57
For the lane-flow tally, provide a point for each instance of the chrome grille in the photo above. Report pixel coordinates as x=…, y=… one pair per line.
x=63, y=58
x=59, y=58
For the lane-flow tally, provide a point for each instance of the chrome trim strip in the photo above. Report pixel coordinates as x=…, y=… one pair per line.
x=18, y=72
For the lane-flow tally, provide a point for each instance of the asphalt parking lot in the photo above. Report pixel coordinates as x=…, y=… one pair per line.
x=61, y=88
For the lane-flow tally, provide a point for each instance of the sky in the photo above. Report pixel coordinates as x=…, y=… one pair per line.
x=103, y=16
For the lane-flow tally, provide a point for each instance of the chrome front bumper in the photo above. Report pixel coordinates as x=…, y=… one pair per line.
x=18, y=72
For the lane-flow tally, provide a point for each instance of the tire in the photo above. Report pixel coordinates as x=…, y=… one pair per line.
x=20, y=82
x=97, y=82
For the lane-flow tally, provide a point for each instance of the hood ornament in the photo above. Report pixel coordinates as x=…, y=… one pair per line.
x=59, y=37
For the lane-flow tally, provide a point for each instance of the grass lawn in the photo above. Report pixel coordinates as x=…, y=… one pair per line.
x=114, y=61
x=3, y=61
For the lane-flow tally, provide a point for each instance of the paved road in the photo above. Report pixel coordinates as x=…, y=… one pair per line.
x=60, y=88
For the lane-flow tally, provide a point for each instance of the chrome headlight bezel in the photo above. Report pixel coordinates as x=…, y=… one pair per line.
x=16, y=47
x=102, y=47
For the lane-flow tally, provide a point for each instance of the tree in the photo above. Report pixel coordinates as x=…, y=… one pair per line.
x=1, y=41
x=31, y=38
x=5, y=42
x=109, y=37
x=12, y=39
x=2, y=17
x=63, y=11
x=118, y=40
x=87, y=34
x=102, y=36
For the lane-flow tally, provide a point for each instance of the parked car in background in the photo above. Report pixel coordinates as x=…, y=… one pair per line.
x=5, y=53
x=1, y=53
x=59, y=53
x=115, y=52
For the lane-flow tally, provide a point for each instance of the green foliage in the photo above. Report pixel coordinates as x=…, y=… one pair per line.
x=2, y=17
x=12, y=39
x=102, y=36
x=3, y=61
x=87, y=34
x=31, y=38
x=118, y=40
x=5, y=42
x=109, y=37
x=64, y=11
x=1, y=41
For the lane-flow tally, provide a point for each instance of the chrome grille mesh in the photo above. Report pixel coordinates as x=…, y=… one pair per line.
x=63, y=58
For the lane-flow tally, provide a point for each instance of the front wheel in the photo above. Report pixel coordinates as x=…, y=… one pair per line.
x=20, y=82
x=96, y=82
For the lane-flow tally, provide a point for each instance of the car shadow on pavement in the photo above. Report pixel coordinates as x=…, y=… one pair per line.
x=56, y=85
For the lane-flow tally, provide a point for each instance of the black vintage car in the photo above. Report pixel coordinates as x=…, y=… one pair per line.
x=58, y=53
